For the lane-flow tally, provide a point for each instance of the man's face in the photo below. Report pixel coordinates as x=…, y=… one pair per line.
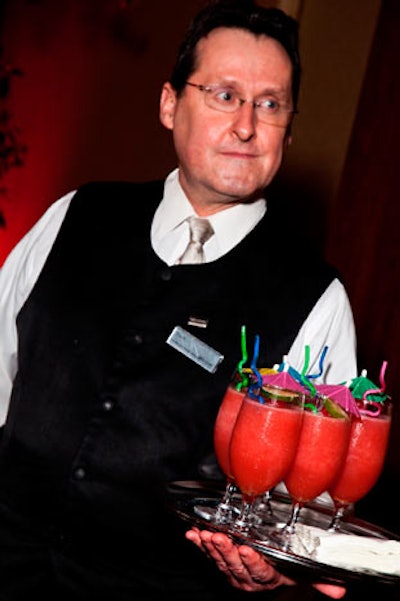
x=225, y=158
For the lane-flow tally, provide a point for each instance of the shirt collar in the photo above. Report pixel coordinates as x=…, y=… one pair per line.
x=230, y=226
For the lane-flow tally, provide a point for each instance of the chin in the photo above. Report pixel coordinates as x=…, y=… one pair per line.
x=238, y=189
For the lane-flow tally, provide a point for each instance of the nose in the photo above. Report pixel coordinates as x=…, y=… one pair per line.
x=244, y=124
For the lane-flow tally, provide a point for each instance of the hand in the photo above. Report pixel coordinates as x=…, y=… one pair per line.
x=245, y=568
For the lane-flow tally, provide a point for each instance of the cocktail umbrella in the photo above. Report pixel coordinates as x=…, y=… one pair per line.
x=301, y=381
x=267, y=370
x=283, y=379
x=362, y=388
x=341, y=394
x=370, y=397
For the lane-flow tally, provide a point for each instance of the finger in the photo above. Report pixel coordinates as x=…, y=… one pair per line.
x=245, y=567
x=220, y=548
x=193, y=536
x=260, y=570
x=331, y=590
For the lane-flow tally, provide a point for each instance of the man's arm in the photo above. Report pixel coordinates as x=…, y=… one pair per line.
x=17, y=278
x=331, y=324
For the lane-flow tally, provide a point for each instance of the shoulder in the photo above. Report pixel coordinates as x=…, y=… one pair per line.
x=118, y=189
x=115, y=200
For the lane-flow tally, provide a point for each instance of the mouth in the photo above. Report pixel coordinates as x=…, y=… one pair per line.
x=235, y=154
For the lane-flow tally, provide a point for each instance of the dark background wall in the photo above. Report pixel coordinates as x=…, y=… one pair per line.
x=86, y=106
x=363, y=240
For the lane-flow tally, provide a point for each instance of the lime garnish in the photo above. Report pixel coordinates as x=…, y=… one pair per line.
x=279, y=394
x=334, y=409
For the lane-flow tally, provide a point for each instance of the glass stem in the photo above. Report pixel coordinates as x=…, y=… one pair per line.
x=225, y=507
x=334, y=526
x=244, y=522
x=294, y=515
x=266, y=505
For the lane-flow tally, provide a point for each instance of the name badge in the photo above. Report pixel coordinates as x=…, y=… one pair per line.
x=195, y=349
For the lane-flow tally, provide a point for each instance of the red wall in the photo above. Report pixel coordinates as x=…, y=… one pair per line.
x=87, y=102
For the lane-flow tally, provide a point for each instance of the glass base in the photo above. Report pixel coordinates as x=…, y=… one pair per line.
x=218, y=514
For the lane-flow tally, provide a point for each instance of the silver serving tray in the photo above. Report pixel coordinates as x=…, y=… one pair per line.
x=188, y=498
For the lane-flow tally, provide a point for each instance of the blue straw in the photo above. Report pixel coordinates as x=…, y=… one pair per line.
x=321, y=364
x=253, y=366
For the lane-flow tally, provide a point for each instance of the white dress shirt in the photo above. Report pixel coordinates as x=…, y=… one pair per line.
x=330, y=323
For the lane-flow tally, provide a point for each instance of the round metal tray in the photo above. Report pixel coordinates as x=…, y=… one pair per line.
x=188, y=498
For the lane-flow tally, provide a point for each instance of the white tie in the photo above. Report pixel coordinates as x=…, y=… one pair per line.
x=200, y=231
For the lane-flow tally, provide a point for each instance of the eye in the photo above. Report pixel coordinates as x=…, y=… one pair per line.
x=269, y=105
x=224, y=96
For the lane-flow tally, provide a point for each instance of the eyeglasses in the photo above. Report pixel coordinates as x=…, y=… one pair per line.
x=227, y=100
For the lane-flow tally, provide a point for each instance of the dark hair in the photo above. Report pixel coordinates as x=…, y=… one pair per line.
x=242, y=14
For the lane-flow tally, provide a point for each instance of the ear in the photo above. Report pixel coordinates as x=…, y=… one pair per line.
x=167, y=105
x=288, y=141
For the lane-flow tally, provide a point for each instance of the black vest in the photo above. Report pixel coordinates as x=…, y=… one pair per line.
x=103, y=411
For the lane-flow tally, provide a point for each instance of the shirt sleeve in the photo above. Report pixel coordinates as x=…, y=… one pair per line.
x=331, y=324
x=17, y=278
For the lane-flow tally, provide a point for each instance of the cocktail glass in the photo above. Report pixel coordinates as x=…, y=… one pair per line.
x=320, y=455
x=224, y=511
x=364, y=460
x=263, y=445
x=267, y=511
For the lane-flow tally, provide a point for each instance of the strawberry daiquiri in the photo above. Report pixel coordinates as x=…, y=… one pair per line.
x=228, y=410
x=223, y=427
x=364, y=460
x=320, y=455
x=263, y=444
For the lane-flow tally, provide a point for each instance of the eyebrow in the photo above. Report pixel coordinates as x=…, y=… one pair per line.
x=281, y=93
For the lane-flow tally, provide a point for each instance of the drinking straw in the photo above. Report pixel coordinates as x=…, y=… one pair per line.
x=321, y=364
x=382, y=376
x=244, y=381
x=304, y=379
x=359, y=385
x=377, y=405
x=284, y=366
x=254, y=360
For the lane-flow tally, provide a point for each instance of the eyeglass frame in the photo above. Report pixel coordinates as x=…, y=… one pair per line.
x=212, y=87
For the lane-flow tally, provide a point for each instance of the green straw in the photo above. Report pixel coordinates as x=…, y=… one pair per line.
x=305, y=380
x=244, y=378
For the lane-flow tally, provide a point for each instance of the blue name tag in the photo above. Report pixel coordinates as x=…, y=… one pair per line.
x=195, y=349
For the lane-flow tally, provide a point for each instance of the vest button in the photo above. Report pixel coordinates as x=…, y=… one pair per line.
x=137, y=339
x=80, y=473
x=108, y=405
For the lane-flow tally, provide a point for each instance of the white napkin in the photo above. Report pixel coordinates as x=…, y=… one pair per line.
x=361, y=553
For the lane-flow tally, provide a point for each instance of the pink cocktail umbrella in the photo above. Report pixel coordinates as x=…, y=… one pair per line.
x=295, y=380
x=283, y=379
x=341, y=394
x=285, y=376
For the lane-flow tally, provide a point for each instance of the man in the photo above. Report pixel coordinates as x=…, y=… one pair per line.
x=106, y=388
